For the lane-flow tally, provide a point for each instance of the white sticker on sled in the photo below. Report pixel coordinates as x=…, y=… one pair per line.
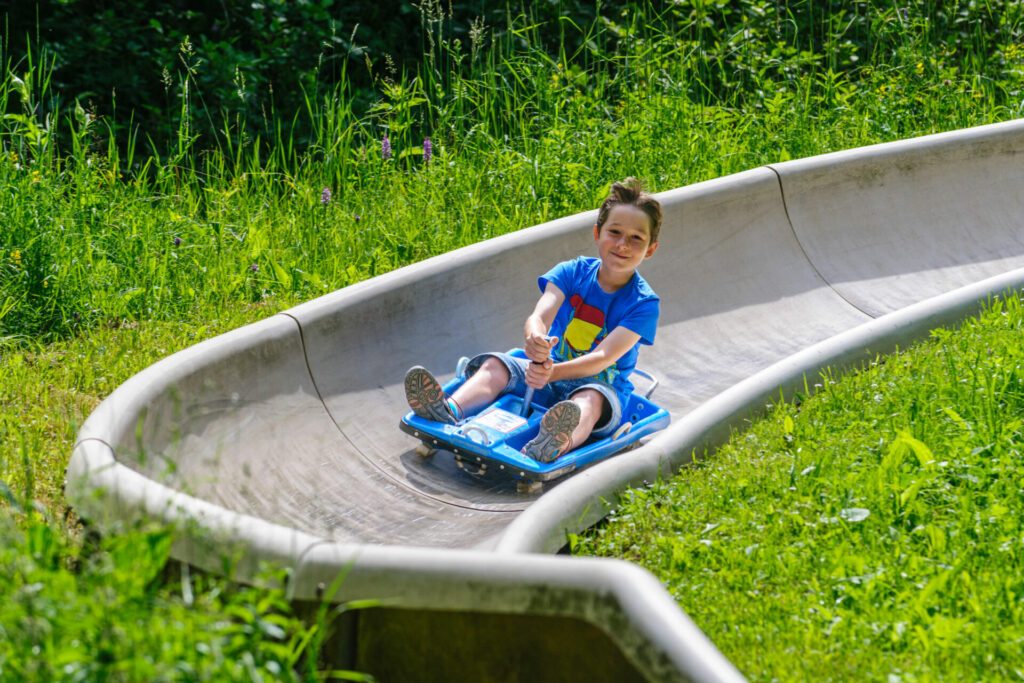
x=500, y=421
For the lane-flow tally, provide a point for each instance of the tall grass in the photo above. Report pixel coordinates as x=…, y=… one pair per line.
x=95, y=231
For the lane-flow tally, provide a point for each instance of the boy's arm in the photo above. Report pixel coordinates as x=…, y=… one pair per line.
x=614, y=346
x=535, y=331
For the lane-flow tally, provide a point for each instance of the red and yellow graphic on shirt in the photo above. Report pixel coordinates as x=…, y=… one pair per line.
x=586, y=329
x=586, y=325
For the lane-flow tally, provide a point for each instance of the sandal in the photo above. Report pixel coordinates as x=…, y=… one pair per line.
x=555, y=436
x=424, y=395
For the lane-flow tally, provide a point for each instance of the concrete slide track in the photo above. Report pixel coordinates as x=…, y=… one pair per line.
x=280, y=439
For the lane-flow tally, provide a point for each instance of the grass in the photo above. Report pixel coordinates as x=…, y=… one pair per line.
x=114, y=254
x=81, y=613
x=95, y=232
x=871, y=531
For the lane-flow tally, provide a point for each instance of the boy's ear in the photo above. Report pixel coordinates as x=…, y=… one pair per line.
x=597, y=232
x=651, y=249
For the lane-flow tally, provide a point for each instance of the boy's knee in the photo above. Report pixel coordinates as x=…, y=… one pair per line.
x=591, y=403
x=495, y=369
x=595, y=409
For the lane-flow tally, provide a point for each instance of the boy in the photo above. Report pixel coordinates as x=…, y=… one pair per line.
x=597, y=312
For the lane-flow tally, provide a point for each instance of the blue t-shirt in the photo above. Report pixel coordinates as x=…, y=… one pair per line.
x=589, y=313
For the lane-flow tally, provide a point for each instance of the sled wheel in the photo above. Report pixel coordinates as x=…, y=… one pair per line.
x=525, y=487
x=425, y=451
x=475, y=469
x=622, y=431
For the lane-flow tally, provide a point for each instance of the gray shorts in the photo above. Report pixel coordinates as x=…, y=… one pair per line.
x=611, y=416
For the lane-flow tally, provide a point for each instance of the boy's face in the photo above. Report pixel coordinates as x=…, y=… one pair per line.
x=624, y=240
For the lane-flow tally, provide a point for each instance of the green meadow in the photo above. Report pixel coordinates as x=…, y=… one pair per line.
x=120, y=244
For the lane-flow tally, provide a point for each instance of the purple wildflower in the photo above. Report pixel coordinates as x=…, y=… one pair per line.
x=255, y=267
x=177, y=241
x=358, y=218
x=428, y=150
x=325, y=196
x=385, y=148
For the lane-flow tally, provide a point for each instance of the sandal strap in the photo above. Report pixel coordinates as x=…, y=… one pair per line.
x=459, y=412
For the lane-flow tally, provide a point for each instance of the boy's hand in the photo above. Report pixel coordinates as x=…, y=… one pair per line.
x=538, y=347
x=538, y=374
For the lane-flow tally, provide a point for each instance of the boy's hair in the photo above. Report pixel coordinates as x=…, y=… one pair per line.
x=631, y=191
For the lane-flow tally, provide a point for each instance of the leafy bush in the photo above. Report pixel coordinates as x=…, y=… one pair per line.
x=247, y=60
x=254, y=65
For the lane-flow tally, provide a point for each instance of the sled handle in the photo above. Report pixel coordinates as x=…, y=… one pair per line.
x=527, y=400
x=473, y=428
x=528, y=397
x=649, y=377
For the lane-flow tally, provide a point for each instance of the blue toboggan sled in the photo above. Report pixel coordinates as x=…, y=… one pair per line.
x=487, y=442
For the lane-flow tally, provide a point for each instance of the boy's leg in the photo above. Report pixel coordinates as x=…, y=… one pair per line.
x=424, y=395
x=483, y=386
x=592, y=405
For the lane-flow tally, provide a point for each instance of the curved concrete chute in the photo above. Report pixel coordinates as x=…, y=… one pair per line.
x=893, y=224
x=223, y=421
x=237, y=422
x=737, y=293
x=283, y=435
